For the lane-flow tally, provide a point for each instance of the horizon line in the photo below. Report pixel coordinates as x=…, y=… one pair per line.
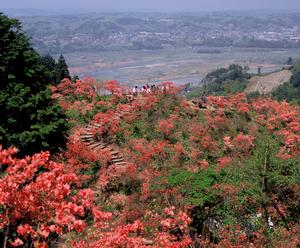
x=141, y=10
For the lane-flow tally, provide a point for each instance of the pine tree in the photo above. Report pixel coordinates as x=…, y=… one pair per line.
x=289, y=61
x=62, y=69
x=259, y=70
x=29, y=120
x=49, y=63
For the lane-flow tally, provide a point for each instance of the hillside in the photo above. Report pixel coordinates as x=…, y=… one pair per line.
x=142, y=169
x=161, y=167
x=157, y=170
x=267, y=83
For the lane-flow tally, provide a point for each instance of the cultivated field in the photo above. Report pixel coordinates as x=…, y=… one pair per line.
x=179, y=65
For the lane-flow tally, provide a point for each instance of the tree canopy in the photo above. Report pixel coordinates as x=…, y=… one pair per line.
x=290, y=91
x=223, y=81
x=30, y=120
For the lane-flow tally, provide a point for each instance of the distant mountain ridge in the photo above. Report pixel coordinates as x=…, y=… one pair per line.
x=53, y=32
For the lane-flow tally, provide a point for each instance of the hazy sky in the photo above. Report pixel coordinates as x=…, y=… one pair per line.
x=153, y=5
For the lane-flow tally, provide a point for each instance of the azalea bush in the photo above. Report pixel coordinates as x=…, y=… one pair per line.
x=36, y=200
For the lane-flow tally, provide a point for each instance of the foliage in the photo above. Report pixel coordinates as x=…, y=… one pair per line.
x=62, y=71
x=36, y=200
x=290, y=91
x=56, y=72
x=79, y=99
x=30, y=120
x=295, y=80
x=289, y=61
x=223, y=176
x=223, y=81
x=287, y=92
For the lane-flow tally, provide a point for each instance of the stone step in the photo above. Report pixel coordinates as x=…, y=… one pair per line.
x=86, y=136
x=115, y=157
x=117, y=160
x=101, y=147
x=114, y=152
x=96, y=125
x=89, y=143
x=120, y=163
x=89, y=129
x=95, y=145
x=86, y=139
x=109, y=149
x=94, y=128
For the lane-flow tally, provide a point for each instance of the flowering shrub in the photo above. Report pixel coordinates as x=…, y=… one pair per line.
x=35, y=199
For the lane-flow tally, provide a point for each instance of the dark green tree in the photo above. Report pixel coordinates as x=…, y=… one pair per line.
x=30, y=120
x=223, y=81
x=289, y=61
x=295, y=79
x=290, y=91
x=235, y=72
x=62, y=70
x=259, y=70
x=51, y=67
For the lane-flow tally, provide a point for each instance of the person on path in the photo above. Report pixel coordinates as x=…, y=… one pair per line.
x=135, y=91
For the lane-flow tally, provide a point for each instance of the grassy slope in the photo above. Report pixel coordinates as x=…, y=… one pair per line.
x=267, y=83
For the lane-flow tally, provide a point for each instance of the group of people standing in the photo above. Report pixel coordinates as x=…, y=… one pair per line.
x=147, y=89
